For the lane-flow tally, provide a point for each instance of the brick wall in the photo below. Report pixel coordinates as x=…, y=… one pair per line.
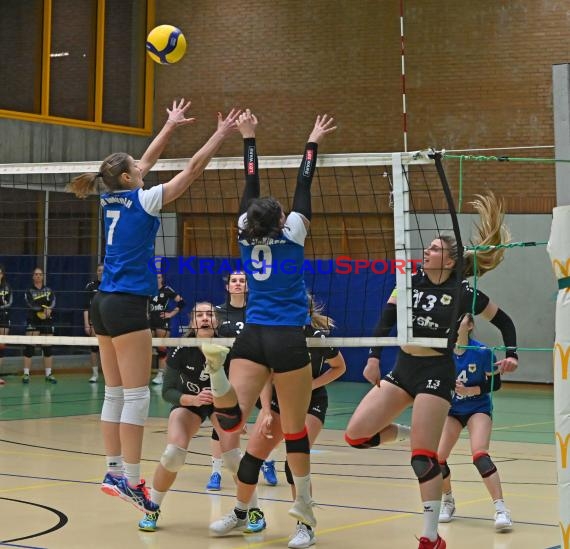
x=478, y=75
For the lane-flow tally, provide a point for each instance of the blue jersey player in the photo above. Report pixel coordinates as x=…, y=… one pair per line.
x=471, y=407
x=273, y=340
x=119, y=311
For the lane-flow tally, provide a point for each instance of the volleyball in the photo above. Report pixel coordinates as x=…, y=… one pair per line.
x=166, y=44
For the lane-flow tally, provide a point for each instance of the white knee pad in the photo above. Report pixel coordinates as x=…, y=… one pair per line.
x=137, y=402
x=173, y=458
x=112, y=404
x=232, y=459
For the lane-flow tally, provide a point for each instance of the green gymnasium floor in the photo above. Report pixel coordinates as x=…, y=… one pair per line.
x=523, y=413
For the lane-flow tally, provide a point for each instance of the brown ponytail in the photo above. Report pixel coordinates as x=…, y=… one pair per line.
x=110, y=171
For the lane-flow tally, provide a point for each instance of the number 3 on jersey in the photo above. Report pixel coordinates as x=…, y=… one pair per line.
x=114, y=215
x=261, y=262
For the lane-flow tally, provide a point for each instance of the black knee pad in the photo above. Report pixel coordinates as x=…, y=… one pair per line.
x=297, y=443
x=249, y=468
x=46, y=350
x=161, y=352
x=288, y=473
x=363, y=443
x=215, y=435
x=445, y=470
x=425, y=466
x=229, y=418
x=28, y=351
x=484, y=464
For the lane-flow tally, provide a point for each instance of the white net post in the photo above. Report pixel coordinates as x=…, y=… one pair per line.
x=559, y=251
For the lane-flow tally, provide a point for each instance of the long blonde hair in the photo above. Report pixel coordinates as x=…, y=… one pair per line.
x=110, y=172
x=491, y=231
x=318, y=319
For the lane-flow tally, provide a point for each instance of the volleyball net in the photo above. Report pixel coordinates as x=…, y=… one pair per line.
x=373, y=214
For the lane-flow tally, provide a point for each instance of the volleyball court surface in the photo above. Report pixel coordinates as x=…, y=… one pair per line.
x=51, y=465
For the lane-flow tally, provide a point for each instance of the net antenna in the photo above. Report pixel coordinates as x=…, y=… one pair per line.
x=359, y=247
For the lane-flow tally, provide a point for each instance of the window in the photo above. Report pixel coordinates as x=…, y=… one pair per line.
x=77, y=62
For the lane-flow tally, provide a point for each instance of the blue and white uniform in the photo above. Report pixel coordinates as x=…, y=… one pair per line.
x=274, y=271
x=131, y=225
x=121, y=305
x=473, y=368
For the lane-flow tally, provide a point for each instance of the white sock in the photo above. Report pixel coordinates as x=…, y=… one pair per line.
x=403, y=433
x=303, y=487
x=48, y=372
x=156, y=496
x=253, y=503
x=115, y=465
x=448, y=496
x=500, y=505
x=217, y=465
x=95, y=371
x=431, y=518
x=219, y=383
x=26, y=371
x=133, y=473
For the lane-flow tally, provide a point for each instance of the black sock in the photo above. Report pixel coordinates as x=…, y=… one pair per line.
x=240, y=513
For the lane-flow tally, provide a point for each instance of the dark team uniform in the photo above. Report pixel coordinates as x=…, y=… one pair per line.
x=185, y=375
x=434, y=315
x=6, y=298
x=37, y=300
x=277, y=308
x=473, y=368
x=231, y=320
x=158, y=305
x=319, y=397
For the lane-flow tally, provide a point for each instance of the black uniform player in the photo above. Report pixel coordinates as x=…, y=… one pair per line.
x=160, y=316
x=6, y=297
x=231, y=320
x=425, y=377
x=187, y=387
x=40, y=300
x=91, y=289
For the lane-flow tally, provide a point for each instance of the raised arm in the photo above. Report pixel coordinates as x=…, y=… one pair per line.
x=302, y=199
x=180, y=182
x=246, y=125
x=176, y=118
x=506, y=326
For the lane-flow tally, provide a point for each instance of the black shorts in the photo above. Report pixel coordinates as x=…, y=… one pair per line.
x=4, y=318
x=432, y=375
x=280, y=348
x=159, y=324
x=43, y=327
x=116, y=314
x=317, y=407
x=464, y=418
x=203, y=412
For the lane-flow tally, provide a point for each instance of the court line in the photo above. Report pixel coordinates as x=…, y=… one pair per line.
x=279, y=500
x=60, y=524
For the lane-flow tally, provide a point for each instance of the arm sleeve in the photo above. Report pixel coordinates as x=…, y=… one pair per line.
x=170, y=392
x=505, y=324
x=302, y=198
x=51, y=299
x=491, y=383
x=384, y=327
x=251, y=169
